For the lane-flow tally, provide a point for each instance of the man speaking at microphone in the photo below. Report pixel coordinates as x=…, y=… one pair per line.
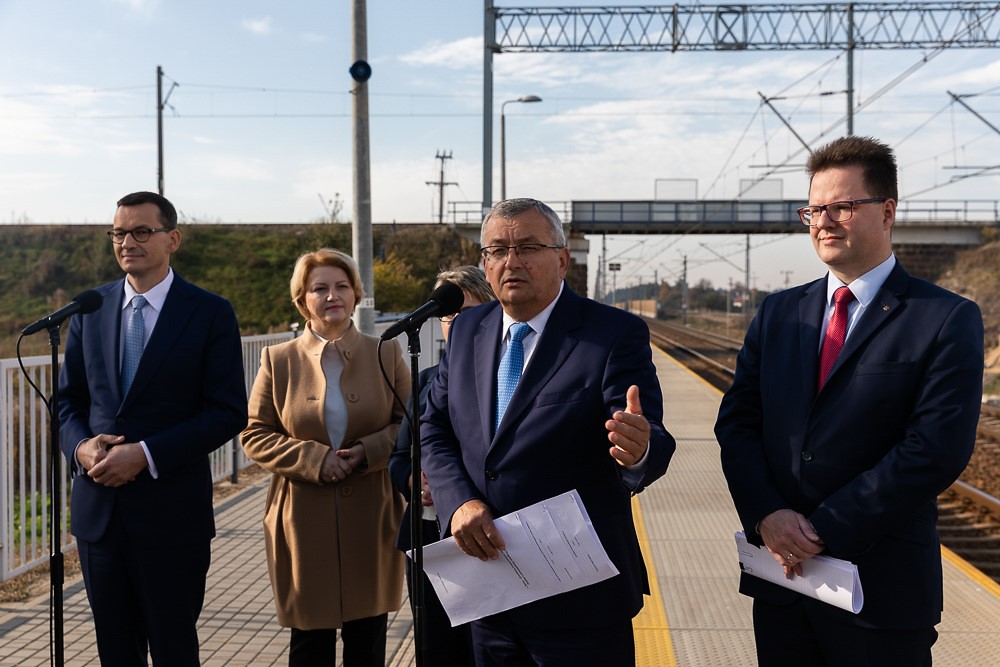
x=538, y=394
x=151, y=384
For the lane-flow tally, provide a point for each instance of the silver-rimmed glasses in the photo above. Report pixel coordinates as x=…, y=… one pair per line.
x=525, y=251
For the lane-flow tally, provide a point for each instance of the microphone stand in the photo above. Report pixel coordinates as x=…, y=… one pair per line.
x=56, y=554
x=416, y=505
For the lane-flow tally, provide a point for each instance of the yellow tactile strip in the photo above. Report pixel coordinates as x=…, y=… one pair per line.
x=652, y=635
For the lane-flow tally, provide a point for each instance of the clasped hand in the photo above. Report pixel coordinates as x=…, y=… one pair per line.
x=791, y=539
x=339, y=463
x=110, y=461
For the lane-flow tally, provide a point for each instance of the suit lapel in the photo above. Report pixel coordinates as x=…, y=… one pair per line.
x=169, y=325
x=885, y=303
x=487, y=344
x=810, y=321
x=111, y=312
x=551, y=351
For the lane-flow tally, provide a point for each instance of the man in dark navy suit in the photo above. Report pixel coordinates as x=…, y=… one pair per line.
x=152, y=383
x=585, y=414
x=855, y=403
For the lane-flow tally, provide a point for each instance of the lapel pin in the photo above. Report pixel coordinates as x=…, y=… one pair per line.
x=885, y=307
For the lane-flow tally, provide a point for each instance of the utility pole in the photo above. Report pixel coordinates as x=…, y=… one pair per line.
x=787, y=275
x=604, y=269
x=684, y=293
x=747, y=301
x=160, y=103
x=729, y=301
x=159, y=128
x=441, y=155
x=361, y=232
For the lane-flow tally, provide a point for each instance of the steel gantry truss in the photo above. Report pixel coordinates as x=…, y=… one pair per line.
x=778, y=27
x=897, y=25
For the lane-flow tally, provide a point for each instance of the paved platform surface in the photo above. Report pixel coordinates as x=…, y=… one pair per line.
x=698, y=618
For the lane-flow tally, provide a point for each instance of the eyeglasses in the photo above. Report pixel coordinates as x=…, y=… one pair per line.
x=838, y=211
x=448, y=319
x=526, y=251
x=140, y=234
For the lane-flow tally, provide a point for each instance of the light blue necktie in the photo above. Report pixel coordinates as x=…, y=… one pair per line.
x=509, y=372
x=135, y=332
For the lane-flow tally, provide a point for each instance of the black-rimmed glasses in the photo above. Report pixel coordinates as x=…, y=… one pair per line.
x=140, y=234
x=525, y=251
x=838, y=211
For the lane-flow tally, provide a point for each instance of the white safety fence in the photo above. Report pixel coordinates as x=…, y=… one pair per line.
x=25, y=459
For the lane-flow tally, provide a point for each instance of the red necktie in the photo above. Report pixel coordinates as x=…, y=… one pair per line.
x=836, y=332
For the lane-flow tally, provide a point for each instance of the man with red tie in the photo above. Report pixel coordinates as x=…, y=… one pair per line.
x=855, y=403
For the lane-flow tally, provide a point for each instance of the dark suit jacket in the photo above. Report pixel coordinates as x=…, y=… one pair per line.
x=864, y=459
x=187, y=399
x=400, y=465
x=552, y=438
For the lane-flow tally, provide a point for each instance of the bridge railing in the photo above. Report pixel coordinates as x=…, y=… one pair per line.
x=949, y=211
x=724, y=216
x=25, y=458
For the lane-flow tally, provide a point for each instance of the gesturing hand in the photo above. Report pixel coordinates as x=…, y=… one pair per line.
x=628, y=430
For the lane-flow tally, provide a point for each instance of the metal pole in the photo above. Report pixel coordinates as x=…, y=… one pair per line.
x=850, y=70
x=503, y=153
x=684, y=293
x=159, y=128
x=489, y=39
x=747, y=306
x=441, y=184
x=56, y=573
x=361, y=231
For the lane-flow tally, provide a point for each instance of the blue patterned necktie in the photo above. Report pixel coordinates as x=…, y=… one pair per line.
x=509, y=372
x=135, y=332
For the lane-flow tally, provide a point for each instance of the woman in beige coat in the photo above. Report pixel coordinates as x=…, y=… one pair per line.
x=323, y=422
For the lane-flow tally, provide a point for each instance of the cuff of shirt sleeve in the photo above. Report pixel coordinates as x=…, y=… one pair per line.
x=149, y=460
x=641, y=463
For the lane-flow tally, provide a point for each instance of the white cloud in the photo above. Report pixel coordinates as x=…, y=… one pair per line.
x=458, y=54
x=313, y=37
x=143, y=8
x=257, y=26
x=240, y=168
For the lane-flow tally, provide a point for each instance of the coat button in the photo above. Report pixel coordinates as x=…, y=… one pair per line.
x=346, y=491
x=807, y=456
x=120, y=420
x=352, y=397
x=491, y=475
x=347, y=354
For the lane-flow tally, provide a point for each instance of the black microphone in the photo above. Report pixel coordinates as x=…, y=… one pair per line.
x=85, y=302
x=445, y=300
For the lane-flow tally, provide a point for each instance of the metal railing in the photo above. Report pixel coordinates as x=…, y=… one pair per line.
x=25, y=452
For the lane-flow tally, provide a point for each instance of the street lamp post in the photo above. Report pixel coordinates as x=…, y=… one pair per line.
x=503, y=145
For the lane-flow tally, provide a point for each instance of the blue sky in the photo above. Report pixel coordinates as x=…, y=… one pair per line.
x=259, y=128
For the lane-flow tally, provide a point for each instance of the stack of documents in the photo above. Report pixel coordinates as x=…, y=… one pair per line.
x=827, y=579
x=551, y=548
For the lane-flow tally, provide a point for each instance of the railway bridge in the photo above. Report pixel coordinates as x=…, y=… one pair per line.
x=926, y=237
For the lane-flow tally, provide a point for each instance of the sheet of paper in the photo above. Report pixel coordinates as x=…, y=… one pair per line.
x=827, y=579
x=551, y=548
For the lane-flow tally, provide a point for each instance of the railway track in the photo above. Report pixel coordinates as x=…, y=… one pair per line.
x=969, y=520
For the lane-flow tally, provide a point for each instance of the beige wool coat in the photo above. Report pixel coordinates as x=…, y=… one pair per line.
x=330, y=547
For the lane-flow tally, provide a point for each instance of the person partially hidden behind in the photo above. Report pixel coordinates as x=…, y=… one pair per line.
x=152, y=383
x=443, y=645
x=855, y=403
x=539, y=394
